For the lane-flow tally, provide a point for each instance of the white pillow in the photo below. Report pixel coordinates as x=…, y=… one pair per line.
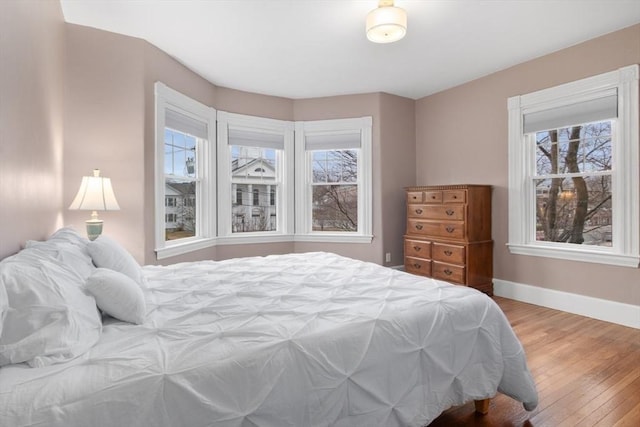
x=69, y=248
x=50, y=318
x=117, y=295
x=107, y=253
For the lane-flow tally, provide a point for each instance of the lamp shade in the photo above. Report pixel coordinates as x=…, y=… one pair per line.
x=95, y=194
x=386, y=23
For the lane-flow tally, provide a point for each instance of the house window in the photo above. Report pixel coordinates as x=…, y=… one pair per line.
x=334, y=180
x=239, y=196
x=185, y=138
x=255, y=156
x=573, y=168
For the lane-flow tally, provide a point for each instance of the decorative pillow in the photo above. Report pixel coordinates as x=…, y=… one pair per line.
x=50, y=318
x=107, y=253
x=117, y=295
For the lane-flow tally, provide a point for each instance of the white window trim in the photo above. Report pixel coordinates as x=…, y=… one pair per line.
x=285, y=165
x=625, y=172
x=167, y=98
x=303, y=231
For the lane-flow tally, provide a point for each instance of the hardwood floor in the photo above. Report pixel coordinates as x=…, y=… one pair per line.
x=587, y=373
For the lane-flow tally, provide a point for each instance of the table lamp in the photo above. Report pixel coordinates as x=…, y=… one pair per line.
x=95, y=194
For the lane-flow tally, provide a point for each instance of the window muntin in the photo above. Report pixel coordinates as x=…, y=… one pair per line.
x=600, y=154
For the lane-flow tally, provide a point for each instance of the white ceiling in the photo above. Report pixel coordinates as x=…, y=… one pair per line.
x=312, y=48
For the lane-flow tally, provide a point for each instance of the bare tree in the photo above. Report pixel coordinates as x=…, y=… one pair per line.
x=335, y=198
x=565, y=211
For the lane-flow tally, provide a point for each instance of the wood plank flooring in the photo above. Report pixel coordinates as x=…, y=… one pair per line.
x=587, y=373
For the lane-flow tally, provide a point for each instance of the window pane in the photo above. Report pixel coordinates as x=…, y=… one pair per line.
x=254, y=176
x=335, y=166
x=546, y=153
x=253, y=163
x=574, y=210
x=335, y=208
x=179, y=154
x=180, y=209
x=585, y=148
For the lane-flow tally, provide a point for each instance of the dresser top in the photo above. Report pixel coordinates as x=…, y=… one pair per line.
x=445, y=187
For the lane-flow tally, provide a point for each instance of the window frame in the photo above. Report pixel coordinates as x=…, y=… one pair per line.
x=624, y=173
x=169, y=99
x=304, y=181
x=284, y=171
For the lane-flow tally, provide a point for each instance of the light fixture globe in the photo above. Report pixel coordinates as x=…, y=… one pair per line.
x=387, y=23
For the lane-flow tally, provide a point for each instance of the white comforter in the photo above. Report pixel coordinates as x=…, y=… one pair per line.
x=288, y=340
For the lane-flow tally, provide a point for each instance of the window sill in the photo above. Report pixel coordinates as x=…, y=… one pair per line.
x=248, y=238
x=184, y=247
x=582, y=255
x=333, y=238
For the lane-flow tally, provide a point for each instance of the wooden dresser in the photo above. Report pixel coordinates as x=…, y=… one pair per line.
x=449, y=234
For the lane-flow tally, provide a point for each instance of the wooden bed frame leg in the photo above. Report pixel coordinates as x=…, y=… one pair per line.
x=482, y=406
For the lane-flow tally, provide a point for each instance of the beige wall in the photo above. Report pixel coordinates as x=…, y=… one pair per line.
x=31, y=132
x=397, y=154
x=104, y=127
x=109, y=124
x=461, y=137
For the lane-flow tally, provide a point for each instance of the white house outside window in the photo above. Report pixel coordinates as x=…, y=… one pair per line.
x=185, y=193
x=573, y=170
x=334, y=180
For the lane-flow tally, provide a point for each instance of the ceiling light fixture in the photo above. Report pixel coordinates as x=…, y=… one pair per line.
x=386, y=23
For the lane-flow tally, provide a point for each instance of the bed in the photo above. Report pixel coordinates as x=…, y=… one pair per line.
x=312, y=339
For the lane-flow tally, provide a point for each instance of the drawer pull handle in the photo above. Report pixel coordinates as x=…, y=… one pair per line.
x=449, y=212
x=448, y=272
x=433, y=197
x=419, y=226
x=416, y=265
x=418, y=211
x=417, y=248
x=450, y=229
x=448, y=253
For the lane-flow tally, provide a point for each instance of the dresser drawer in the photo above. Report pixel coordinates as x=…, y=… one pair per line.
x=447, y=212
x=417, y=248
x=417, y=266
x=447, y=230
x=454, y=196
x=414, y=197
x=448, y=253
x=448, y=272
x=433, y=196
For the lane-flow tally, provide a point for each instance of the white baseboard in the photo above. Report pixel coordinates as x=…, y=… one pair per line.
x=601, y=309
